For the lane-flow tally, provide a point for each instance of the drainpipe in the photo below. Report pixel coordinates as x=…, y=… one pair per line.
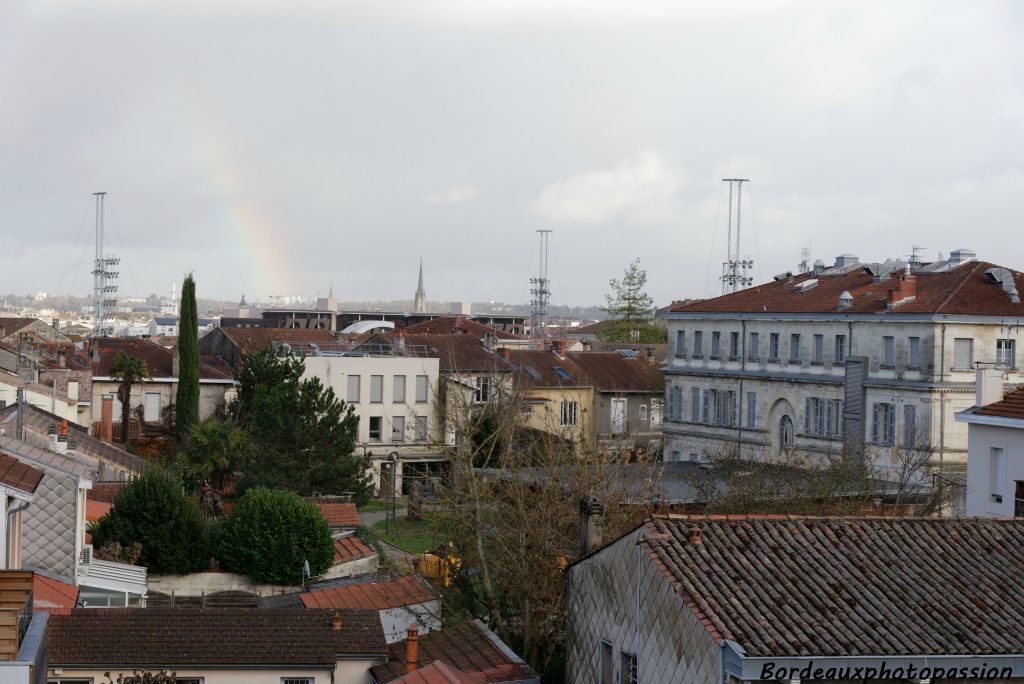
x=10, y=515
x=942, y=400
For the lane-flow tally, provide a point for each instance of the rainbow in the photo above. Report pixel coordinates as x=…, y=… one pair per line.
x=258, y=239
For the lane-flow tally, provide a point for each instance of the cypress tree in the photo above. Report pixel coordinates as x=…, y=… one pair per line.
x=186, y=412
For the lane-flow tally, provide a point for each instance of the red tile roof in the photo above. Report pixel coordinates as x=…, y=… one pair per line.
x=196, y=637
x=159, y=359
x=607, y=371
x=17, y=475
x=341, y=514
x=405, y=590
x=457, y=353
x=53, y=596
x=350, y=548
x=468, y=647
x=446, y=325
x=299, y=339
x=440, y=673
x=1011, y=406
x=963, y=290
x=843, y=587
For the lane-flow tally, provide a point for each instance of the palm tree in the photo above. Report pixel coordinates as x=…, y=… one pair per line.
x=129, y=370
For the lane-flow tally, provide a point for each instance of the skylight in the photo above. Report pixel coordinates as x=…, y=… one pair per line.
x=562, y=373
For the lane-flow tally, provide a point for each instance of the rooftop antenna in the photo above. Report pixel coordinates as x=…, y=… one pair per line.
x=805, y=259
x=915, y=256
x=540, y=289
x=734, y=269
x=103, y=288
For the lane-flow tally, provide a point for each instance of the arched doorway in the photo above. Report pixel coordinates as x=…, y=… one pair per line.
x=786, y=433
x=781, y=416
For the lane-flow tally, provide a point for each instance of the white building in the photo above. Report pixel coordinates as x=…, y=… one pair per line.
x=880, y=352
x=395, y=399
x=995, y=448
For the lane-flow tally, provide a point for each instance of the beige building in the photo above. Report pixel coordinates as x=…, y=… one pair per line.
x=882, y=354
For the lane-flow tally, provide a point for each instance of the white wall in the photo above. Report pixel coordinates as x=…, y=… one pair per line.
x=982, y=438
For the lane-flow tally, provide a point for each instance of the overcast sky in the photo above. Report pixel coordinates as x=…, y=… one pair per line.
x=280, y=147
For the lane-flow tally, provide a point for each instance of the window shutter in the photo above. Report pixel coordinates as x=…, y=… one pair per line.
x=807, y=416
x=874, y=423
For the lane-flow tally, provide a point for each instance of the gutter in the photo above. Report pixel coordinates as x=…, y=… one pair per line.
x=969, y=416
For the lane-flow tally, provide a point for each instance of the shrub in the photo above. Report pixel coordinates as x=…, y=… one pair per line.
x=154, y=511
x=269, y=534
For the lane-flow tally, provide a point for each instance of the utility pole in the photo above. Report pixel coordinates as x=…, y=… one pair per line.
x=735, y=269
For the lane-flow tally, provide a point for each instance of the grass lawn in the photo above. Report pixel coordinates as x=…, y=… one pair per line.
x=412, y=537
x=374, y=505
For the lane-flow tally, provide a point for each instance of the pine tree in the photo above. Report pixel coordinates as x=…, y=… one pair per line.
x=628, y=302
x=186, y=412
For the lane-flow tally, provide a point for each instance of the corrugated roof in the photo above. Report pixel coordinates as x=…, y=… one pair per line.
x=192, y=637
x=846, y=587
x=963, y=290
x=405, y=590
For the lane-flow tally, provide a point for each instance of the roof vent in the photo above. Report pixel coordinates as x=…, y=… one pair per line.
x=845, y=300
x=788, y=275
x=819, y=266
x=844, y=260
x=959, y=256
x=1005, y=279
x=806, y=285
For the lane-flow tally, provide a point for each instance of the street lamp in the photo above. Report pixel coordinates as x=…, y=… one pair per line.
x=393, y=468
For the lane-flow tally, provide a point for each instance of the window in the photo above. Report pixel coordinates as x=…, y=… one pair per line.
x=628, y=668
x=421, y=428
x=643, y=414
x=963, y=353
x=570, y=413
x=296, y=680
x=837, y=418
x=561, y=372
x=754, y=353
x=398, y=428
x=482, y=393
x=840, y=349
x=675, y=456
x=695, y=407
x=376, y=389
x=794, y=348
x=707, y=407
x=786, y=433
x=996, y=473
x=657, y=411
x=607, y=667
x=1018, y=498
x=680, y=343
x=670, y=397
x=819, y=349
x=718, y=401
x=375, y=422
x=883, y=424
x=353, y=389
x=734, y=345
x=421, y=389
x=1005, y=354
x=751, y=409
x=698, y=344
x=773, y=347
x=888, y=351
x=909, y=425
x=915, y=352
x=398, y=389
x=716, y=343
x=734, y=408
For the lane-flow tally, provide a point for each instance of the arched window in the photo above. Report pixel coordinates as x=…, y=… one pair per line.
x=785, y=433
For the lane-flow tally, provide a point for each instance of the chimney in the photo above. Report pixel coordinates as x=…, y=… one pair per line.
x=412, y=648
x=506, y=354
x=905, y=290
x=694, y=534
x=559, y=347
x=175, y=362
x=591, y=524
x=988, y=385
x=489, y=340
x=20, y=399
x=107, y=419
x=62, y=358
x=336, y=621
x=400, y=334
x=52, y=434
x=61, y=446
x=650, y=355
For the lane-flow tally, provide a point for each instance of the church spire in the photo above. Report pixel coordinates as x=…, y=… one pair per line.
x=420, y=303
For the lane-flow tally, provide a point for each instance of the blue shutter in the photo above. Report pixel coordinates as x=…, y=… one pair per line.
x=807, y=416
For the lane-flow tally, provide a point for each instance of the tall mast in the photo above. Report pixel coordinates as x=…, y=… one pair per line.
x=541, y=289
x=735, y=267
x=103, y=301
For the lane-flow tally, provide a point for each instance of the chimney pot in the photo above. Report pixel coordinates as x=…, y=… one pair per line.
x=412, y=648
x=988, y=385
x=506, y=353
x=591, y=524
x=694, y=536
x=336, y=622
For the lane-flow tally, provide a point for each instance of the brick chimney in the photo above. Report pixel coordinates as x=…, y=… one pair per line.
x=591, y=524
x=905, y=290
x=62, y=438
x=412, y=648
x=400, y=334
x=107, y=419
x=336, y=621
x=559, y=347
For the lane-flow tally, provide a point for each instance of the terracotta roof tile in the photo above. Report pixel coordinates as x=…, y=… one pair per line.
x=1011, y=406
x=468, y=647
x=339, y=514
x=458, y=352
x=440, y=673
x=405, y=590
x=177, y=637
x=607, y=371
x=300, y=340
x=963, y=290
x=158, y=358
x=17, y=475
x=446, y=325
x=351, y=548
x=849, y=586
